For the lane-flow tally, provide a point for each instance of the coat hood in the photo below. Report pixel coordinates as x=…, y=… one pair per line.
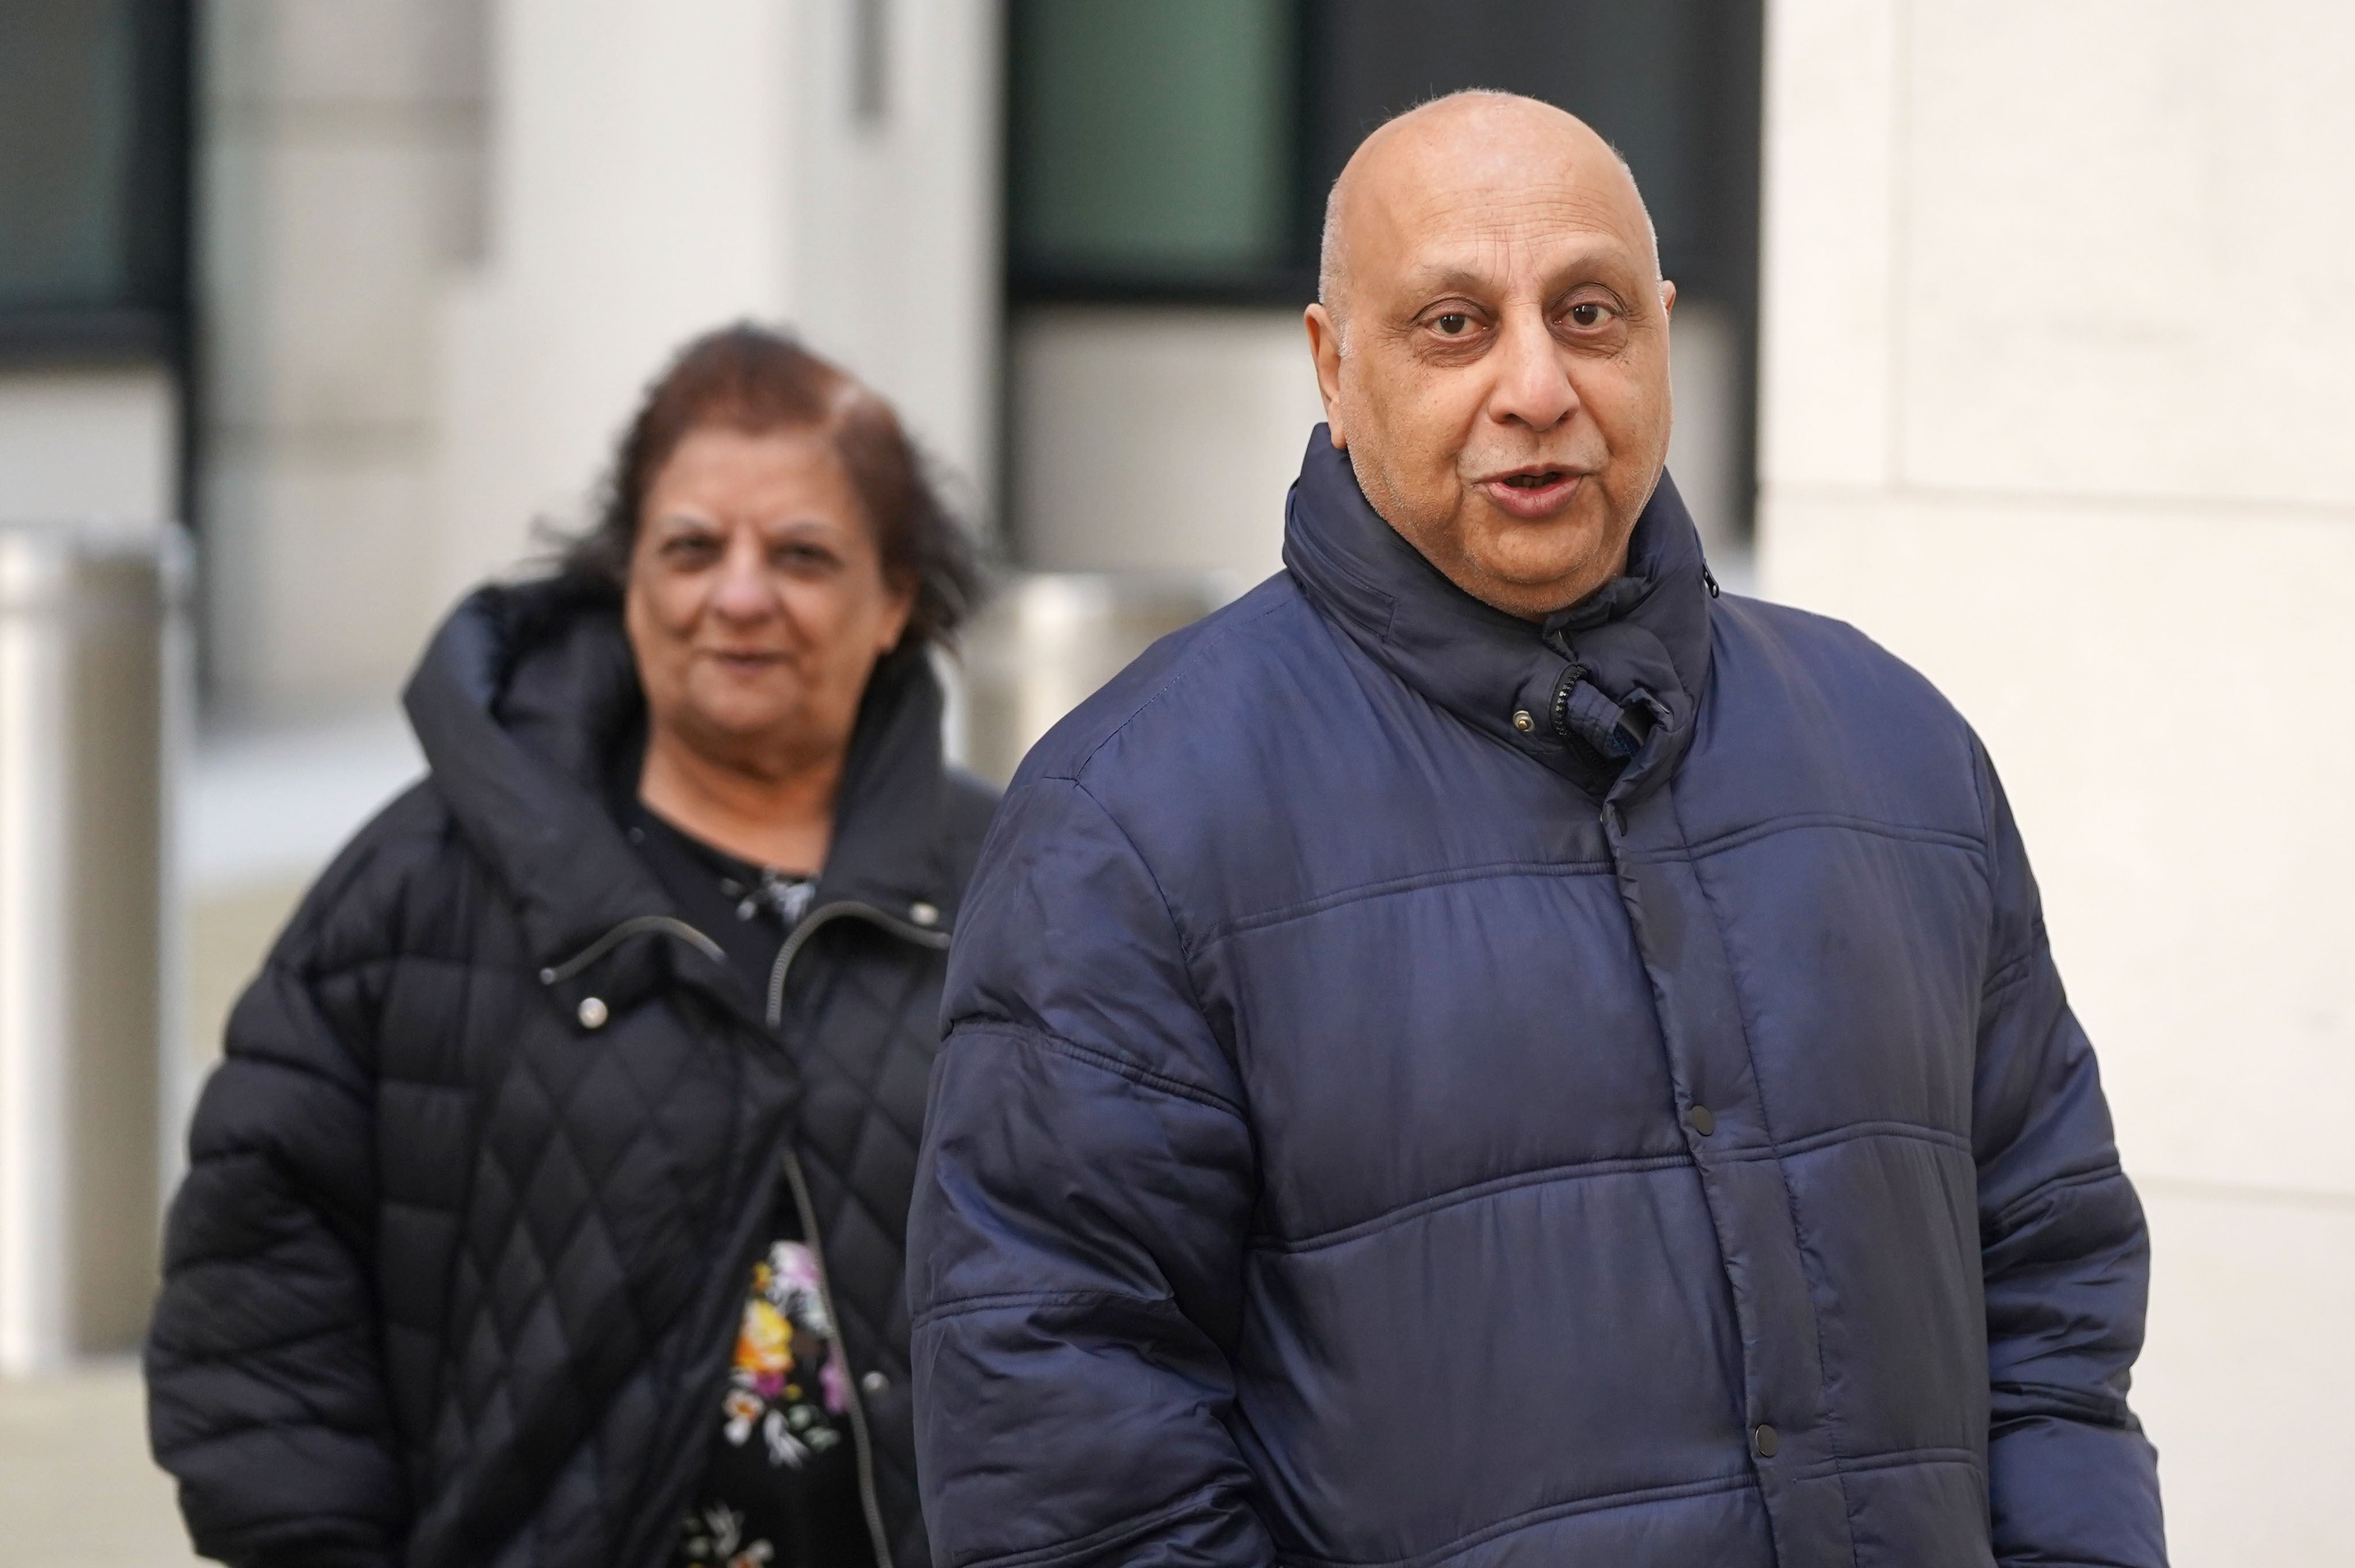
x=1615, y=679
x=527, y=707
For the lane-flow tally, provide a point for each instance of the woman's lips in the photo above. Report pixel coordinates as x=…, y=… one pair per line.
x=1533, y=496
x=744, y=662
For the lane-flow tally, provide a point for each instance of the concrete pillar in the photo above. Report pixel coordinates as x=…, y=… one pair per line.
x=338, y=183
x=659, y=170
x=446, y=242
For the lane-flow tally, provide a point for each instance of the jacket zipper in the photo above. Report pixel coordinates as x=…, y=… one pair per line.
x=669, y=925
x=823, y=916
x=796, y=941
x=867, y=1502
x=826, y=915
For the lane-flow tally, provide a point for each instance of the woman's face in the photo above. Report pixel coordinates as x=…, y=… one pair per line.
x=757, y=605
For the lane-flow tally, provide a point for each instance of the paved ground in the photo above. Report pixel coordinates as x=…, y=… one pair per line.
x=77, y=1489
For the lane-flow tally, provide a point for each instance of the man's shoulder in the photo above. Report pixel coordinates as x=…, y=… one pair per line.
x=1236, y=669
x=1811, y=715
x=1819, y=659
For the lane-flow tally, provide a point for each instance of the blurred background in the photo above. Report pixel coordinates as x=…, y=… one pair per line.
x=2022, y=336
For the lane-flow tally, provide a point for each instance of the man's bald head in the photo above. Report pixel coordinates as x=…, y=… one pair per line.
x=1479, y=114
x=1504, y=392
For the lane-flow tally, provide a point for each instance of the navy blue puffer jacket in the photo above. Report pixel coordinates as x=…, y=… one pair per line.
x=1374, y=1132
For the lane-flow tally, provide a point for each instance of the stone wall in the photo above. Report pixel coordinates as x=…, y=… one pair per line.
x=2059, y=362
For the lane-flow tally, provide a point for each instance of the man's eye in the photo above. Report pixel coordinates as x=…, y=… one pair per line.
x=1454, y=323
x=1587, y=314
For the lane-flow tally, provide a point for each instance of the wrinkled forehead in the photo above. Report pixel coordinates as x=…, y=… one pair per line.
x=1538, y=228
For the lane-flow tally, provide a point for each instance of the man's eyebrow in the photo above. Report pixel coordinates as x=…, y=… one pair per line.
x=1443, y=280
x=1442, y=277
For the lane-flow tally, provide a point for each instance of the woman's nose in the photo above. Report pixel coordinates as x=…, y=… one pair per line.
x=744, y=590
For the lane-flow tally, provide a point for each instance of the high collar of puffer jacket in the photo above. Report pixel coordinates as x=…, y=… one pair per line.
x=1641, y=640
x=527, y=707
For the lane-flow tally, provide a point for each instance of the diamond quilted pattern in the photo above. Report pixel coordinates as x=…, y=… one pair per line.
x=551, y=1221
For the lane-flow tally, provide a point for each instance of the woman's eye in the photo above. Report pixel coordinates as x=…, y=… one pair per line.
x=690, y=549
x=803, y=557
x=1453, y=323
x=1588, y=313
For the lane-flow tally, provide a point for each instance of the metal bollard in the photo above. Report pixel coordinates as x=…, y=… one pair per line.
x=94, y=665
x=1046, y=641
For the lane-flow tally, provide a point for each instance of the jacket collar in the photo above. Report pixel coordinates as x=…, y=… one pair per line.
x=527, y=707
x=1637, y=647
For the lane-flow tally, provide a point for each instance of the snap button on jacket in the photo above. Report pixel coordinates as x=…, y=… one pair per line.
x=474, y=1197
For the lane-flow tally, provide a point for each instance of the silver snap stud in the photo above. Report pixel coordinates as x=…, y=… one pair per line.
x=1522, y=722
x=593, y=1012
x=547, y=977
x=924, y=913
x=874, y=1383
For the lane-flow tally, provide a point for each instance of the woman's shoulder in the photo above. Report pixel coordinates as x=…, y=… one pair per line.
x=398, y=885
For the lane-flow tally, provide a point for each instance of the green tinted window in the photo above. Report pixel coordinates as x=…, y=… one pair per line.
x=1151, y=138
x=68, y=71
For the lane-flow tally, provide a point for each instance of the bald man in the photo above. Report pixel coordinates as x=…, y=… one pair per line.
x=1487, y=1051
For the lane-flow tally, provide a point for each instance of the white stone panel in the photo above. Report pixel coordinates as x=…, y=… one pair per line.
x=319, y=568
x=321, y=257
x=2164, y=690
x=1828, y=241
x=1705, y=442
x=643, y=175
x=390, y=53
x=2107, y=501
x=1158, y=439
x=895, y=242
x=88, y=443
x=2125, y=248
x=2244, y=1383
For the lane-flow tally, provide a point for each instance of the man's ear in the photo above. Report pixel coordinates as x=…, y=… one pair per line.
x=1668, y=298
x=1324, y=348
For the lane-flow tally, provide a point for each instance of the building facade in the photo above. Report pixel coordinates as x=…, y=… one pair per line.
x=2060, y=351
x=2043, y=318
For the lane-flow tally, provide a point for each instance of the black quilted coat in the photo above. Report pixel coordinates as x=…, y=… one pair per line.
x=472, y=1199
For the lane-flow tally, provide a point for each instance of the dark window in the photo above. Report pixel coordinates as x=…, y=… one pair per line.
x=1169, y=151
x=1172, y=152
x=1152, y=146
x=93, y=179
x=1672, y=84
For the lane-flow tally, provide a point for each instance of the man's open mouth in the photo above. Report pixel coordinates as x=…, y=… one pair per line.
x=1533, y=493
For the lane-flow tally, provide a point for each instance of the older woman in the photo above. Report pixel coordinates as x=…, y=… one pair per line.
x=548, y=1208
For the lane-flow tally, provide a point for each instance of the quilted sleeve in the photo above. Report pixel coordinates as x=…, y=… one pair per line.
x=265, y=1394
x=1076, y=1239
x=2065, y=1256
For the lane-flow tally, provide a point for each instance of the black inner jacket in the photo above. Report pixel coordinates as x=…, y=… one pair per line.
x=810, y=1510
x=458, y=1265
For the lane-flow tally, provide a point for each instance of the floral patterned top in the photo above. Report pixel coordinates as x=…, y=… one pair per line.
x=781, y=1487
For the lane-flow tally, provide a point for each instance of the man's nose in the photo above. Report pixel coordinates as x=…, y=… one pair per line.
x=1533, y=387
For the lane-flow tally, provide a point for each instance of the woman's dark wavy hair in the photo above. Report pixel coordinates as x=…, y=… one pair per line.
x=747, y=377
